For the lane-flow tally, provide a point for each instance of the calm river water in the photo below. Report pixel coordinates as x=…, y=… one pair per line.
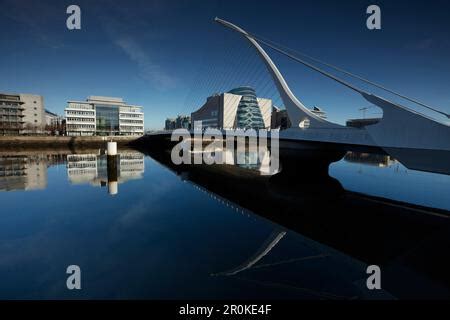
x=145, y=228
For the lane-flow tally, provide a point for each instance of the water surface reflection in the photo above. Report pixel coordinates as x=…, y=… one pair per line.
x=200, y=231
x=101, y=170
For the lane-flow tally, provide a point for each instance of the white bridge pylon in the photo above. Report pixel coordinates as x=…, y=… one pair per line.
x=297, y=112
x=400, y=126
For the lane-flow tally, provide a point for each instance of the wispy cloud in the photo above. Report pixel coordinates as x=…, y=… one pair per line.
x=130, y=38
x=149, y=70
x=42, y=18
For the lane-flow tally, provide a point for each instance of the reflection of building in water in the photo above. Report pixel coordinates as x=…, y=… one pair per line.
x=259, y=158
x=131, y=165
x=81, y=168
x=23, y=172
x=372, y=159
x=99, y=170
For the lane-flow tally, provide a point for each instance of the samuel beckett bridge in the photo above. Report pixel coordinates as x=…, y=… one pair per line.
x=406, y=134
x=418, y=140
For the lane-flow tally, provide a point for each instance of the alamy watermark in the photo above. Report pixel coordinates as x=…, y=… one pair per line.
x=73, y=21
x=373, y=22
x=74, y=280
x=374, y=280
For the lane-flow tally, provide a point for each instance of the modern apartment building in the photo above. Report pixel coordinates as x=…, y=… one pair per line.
x=21, y=113
x=11, y=114
x=105, y=116
x=34, y=113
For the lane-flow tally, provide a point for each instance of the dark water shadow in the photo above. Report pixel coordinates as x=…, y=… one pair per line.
x=408, y=242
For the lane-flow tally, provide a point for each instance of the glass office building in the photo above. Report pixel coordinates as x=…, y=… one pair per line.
x=105, y=116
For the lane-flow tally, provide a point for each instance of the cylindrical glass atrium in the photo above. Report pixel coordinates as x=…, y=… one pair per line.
x=248, y=114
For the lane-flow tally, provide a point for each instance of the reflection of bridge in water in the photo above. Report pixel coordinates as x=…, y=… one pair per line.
x=340, y=224
x=265, y=248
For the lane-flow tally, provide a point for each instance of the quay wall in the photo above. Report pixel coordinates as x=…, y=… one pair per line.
x=38, y=142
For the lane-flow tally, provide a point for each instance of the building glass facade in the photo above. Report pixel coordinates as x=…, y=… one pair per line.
x=237, y=108
x=107, y=120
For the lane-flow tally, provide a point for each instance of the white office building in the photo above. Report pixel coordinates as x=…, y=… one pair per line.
x=105, y=116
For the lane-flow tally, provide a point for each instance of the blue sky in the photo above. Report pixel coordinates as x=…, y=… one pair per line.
x=169, y=55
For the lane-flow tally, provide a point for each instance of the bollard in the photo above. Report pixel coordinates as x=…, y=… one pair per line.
x=111, y=148
x=113, y=187
x=111, y=164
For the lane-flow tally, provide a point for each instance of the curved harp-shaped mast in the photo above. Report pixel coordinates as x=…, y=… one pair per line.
x=297, y=112
x=393, y=113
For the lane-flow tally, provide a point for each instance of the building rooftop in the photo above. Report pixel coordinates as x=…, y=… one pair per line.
x=9, y=97
x=51, y=113
x=77, y=101
x=105, y=99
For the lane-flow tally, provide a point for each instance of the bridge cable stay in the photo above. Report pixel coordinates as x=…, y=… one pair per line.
x=244, y=67
x=237, y=67
x=275, y=46
x=250, y=71
x=206, y=81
